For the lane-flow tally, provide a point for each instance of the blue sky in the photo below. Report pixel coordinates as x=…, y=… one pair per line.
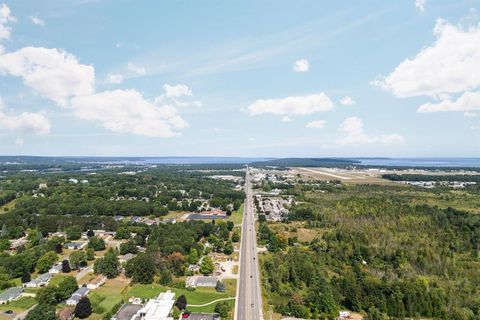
x=243, y=78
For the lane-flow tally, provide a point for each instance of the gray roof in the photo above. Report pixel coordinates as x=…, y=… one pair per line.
x=206, y=281
x=42, y=278
x=10, y=293
x=82, y=291
x=127, y=311
x=203, y=316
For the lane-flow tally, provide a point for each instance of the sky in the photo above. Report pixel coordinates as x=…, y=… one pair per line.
x=269, y=78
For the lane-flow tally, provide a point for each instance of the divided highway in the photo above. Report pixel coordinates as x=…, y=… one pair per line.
x=249, y=301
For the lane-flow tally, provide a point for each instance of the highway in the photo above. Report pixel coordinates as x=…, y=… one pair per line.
x=249, y=302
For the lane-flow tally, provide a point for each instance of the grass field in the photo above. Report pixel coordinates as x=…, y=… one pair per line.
x=106, y=297
x=236, y=216
x=8, y=206
x=199, y=296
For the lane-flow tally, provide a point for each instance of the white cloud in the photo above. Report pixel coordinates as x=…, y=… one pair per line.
x=420, y=5
x=450, y=65
x=347, y=101
x=177, y=91
x=26, y=122
x=469, y=101
x=5, y=19
x=469, y=114
x=136, y=69
x=292, y=106
x=286, y=119
x=53, y=73
x=114, y=78
x=252, y=139
x=316, y=124
x=37, y=21
x=301, y=65
x=356, y=135
x=127, y=111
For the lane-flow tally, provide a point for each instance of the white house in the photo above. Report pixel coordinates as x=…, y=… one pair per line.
x=75, y=245
x=56, y=269
x=41, y=281
x=11, y=294
x=77, y=295
x=158, y=308
x=97, y=282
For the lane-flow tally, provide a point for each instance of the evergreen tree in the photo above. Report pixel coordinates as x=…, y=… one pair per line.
x=207, y=266
x=26, y=277
x=66, y=266
x=181, y=302
x=83, y=309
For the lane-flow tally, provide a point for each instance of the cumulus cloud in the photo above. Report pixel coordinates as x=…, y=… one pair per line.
x=136, y=69
x=301, y=65
x=347, y=101
x=127, y=111
x=37, y=21
x=469, y=101
x=450, y=65
x=53, y=73
x=316, y=124
x=176, y=91
x=5, y=19
x=356, y=135
x=286, y=119
x=469, y=114
x=420, y=5
x=114, y=78
x=26, y=122
x=292, y=106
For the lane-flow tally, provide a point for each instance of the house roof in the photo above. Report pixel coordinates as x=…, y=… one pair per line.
x=10, y=293
x=82, y=291
x=66, y=313
x=206, y=281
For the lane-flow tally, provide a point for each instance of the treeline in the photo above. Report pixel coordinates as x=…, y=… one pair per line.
x=376, y=253
x=6, y=197
x=424, y=177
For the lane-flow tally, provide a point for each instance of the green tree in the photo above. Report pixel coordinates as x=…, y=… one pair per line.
x=83, y=309
x=128, y=247
x=96, y=243
x=141, y=269
x=181, y=302
x=66, y=287
x=207, y=266
x=48, y=295
x=78, y=259
x=73, y=233
x=46, y=261
x=108, y=265
x=42, y=312
x=90, y=254
x=222, y=308
x=193, y=256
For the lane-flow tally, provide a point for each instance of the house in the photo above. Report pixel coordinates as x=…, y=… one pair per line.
x=203, y=316
x=201, y=281
x=150, y=222
x=97, y=282
x=118, y=218
x=72, y=180
x=158, y=308
x=41, y=281
x=77, y=295
x=56, y=269
x=344, y=314
x=127, y=257
x=67, y=313
x=75, y=245
x=17, y=244
x=11, y=294
x=128, y=312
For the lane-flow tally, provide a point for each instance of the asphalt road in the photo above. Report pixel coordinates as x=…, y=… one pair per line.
x=249, y=302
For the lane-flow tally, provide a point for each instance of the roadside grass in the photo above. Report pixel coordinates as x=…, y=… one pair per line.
x=236, y=216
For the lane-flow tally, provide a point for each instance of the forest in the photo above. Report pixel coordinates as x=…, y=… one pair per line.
x=376, y=251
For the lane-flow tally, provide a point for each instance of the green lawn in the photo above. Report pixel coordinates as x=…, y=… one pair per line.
x=236, y=216
x=20, y=305
x=199, y=296
x=107, y=296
